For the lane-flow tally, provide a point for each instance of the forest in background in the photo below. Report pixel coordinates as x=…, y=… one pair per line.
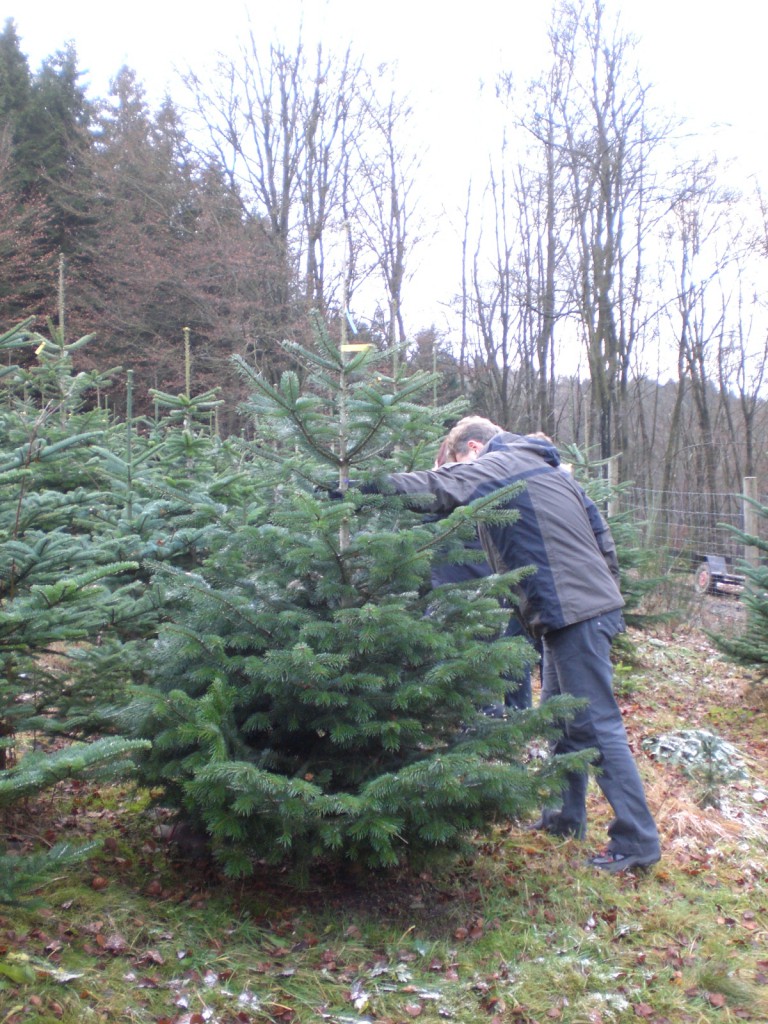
x=607, y=287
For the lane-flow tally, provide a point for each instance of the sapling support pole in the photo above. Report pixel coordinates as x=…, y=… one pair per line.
x=343, y=412
x=129, y=438
x=751, y=553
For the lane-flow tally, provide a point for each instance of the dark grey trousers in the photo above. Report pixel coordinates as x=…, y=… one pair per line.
x=577, y=661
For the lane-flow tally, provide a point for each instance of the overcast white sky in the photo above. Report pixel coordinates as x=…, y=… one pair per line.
x=706, y=62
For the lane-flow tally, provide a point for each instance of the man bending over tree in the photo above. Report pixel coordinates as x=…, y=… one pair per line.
x=571, y=603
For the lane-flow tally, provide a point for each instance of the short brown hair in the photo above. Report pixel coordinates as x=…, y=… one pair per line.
x=443, y=455
x=470, y=428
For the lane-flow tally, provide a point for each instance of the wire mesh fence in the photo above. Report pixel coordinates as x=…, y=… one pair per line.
x=685, y=527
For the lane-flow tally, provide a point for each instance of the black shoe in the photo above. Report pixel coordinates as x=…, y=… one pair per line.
x=614, y=863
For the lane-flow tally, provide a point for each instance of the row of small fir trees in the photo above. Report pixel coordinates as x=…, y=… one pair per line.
x=271, y=663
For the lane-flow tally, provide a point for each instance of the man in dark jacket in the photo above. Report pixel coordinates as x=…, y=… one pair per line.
x=571, y=603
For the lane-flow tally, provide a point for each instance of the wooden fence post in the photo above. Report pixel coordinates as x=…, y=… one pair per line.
x=613, y=480
x=751, y=553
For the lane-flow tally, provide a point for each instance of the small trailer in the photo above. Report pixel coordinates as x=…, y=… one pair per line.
x=714, y=576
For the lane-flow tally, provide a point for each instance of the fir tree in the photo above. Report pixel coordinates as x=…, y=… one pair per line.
x=751, y=647
x=45, y=119
x=65, y=580
x=312, y=699
x=40, y=770
x=135, y=495
x=15, y=80
x=60, y=586
x=23, y=220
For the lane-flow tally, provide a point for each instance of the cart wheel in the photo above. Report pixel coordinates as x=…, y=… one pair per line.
x=702, y=581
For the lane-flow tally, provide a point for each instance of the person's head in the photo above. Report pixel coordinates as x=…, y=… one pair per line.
x=468, y=438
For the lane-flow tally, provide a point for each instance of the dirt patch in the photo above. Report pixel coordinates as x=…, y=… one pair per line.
x=675, y=606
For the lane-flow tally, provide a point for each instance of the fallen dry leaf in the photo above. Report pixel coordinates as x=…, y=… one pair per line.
x=151, y=956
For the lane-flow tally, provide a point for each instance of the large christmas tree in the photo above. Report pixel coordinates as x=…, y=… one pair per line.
x=312, y=699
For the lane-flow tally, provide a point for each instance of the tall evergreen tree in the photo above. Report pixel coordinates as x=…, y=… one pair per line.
x=44, y=142
x=312, y=698
x=53, y=138
x=23, y=227
x=15, y=79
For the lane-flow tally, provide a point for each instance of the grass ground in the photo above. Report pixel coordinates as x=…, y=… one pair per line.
x=523, y=932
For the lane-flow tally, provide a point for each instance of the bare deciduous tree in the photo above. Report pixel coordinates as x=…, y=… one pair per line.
x=308, y=145
x=702, y=252
x=575, y=217
x=386, y=205
x=606, y=144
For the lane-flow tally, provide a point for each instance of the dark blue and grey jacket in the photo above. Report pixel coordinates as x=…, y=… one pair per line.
x=560, y=530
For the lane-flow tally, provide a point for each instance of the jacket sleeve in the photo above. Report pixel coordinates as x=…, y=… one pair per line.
x=439, y=490
x=603, y=536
